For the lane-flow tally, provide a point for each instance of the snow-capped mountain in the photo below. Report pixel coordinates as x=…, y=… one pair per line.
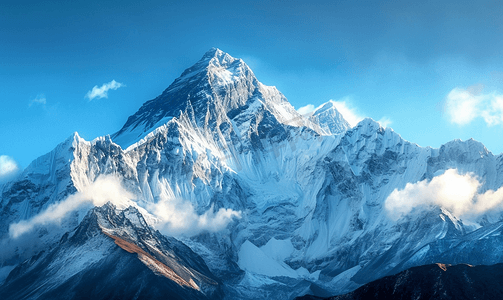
x=275, y=204
x=219, y=94
x=113, y=254
x=329, y=119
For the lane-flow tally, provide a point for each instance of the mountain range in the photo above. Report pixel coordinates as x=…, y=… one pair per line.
x=219, y=188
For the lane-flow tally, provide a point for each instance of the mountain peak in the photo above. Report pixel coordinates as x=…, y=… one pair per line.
x=204, y=94
x=213, y=58
x=329, y=119
x=329, y=105
x=214, y=53
x=368, y=122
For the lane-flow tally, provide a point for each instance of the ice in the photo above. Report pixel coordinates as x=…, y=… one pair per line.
x=253, y=259
x=269, y=260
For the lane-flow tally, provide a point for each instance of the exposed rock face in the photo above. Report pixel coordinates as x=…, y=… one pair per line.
x=113, y=254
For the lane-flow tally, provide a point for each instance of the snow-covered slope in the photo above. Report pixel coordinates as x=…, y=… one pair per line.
x=113, y=254
x=216, y=95
x=329, y=119
x=276, y=205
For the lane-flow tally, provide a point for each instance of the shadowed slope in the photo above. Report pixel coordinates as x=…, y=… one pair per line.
x=437, y=281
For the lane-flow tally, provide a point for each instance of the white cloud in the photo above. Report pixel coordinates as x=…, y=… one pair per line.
x=175, y=216
x=493, y=114
x=178, y=217
x=8, y=166
x=40, y=99
x=104, y=189
x=102, y=92
x=385, y=122
x=451, y=190
x=465, y=105
x=349, y=113
x=304, y=110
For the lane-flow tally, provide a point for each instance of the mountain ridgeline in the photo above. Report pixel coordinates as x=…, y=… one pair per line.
x=436, y=281
x=219, y=189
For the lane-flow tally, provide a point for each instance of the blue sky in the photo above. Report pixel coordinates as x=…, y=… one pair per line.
x=434, y=69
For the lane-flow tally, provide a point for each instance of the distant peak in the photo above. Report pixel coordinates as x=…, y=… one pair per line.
x=329, y=105
x=470, y=145
x=329, y=119
x=368, y=122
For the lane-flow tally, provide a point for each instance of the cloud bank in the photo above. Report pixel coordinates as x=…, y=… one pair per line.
x=179, y=217
x=174, y=216
x=102, y=91
x=104, y=189
x=464, y=105
x=456, y=192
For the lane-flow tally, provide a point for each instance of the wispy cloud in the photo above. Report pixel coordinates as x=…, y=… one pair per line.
x=104, y=189
x=304, y=110
x=465, y=105
x=349, y=112
x=102, y=91
x=385, y=122
x=174, y=216
x=40, y=99
x=8, y=167
x=456, y=192
x=179, y=217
